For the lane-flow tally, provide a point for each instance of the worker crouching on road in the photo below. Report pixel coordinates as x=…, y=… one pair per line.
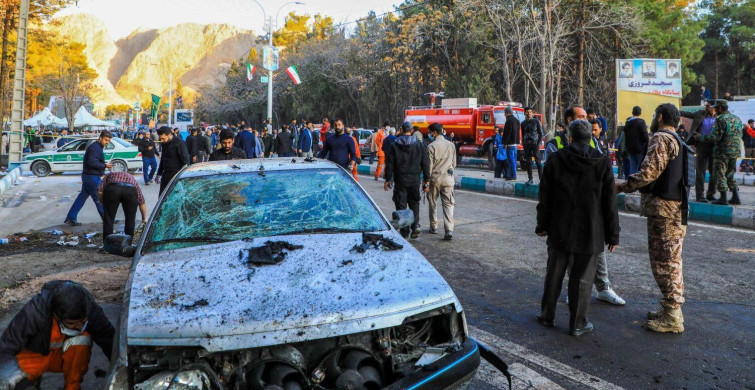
x=121, y=189
x=442, y=156
x=404, y=163
x=53, y=332
x=577, y=211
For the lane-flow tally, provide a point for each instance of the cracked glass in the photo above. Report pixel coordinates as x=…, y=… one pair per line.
x=228, y=207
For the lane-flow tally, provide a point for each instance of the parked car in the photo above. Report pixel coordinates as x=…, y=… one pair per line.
x=291, y=278
x=70, y=157
x=364, y=148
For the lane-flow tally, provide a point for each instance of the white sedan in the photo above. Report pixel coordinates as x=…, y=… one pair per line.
x=70, y=157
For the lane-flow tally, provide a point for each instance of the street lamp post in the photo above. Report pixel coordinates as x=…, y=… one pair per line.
x=270, y=72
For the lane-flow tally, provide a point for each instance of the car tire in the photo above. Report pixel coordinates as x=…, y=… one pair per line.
x=119, y=166
x=41, y=168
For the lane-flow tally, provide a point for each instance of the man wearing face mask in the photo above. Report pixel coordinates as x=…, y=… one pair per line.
x=53, y=332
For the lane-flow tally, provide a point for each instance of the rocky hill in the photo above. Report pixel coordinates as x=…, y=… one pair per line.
x=142, y=62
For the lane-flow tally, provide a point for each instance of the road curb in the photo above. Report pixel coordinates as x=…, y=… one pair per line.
x=704, y=212
x=8, y=180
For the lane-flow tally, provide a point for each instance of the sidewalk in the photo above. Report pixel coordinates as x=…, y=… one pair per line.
x=482, y=180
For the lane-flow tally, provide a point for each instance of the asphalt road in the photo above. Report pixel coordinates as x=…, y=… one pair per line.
x=496, y=266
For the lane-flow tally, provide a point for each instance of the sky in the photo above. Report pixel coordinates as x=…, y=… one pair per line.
x=123, y=17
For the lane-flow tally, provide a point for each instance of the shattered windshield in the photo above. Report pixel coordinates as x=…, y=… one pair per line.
x=218, y=208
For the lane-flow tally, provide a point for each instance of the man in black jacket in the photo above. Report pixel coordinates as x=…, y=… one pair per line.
x=404, y=163
x=227, y=151
x=192, y=145
x=148, y=149
x=284, y=143
x=577, y=212
x=175, y=157
x=91, y=176
x=511, y=141
x=532, y=136
x=636, y=139
x=53, y=332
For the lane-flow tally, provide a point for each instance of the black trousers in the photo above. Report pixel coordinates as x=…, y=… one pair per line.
x=408, y=196
x=113, y=197
x=500, y=168
x=580, y=285
x=530, y=152
x=703, y=162
x=165, y=180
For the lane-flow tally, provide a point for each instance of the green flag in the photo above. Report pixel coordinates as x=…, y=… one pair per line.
x=155, y=107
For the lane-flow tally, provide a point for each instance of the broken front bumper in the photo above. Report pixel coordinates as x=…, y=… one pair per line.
x=449, y=372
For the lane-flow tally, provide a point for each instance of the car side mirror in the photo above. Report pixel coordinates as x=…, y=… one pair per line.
x=119, y=245
x=402, y=219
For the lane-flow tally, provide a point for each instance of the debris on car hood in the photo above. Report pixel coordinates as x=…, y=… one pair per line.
x=273, y=252
x=377, y=241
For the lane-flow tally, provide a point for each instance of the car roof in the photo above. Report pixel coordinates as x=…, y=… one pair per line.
x=255, y=165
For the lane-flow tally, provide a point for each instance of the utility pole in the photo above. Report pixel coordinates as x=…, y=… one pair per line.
x=170, y=100
x=270, y=80
x=16, y=136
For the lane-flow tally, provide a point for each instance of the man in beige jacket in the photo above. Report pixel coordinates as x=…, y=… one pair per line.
x=442, y=155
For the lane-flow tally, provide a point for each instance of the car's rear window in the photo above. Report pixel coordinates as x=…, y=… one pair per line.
x=228, y=207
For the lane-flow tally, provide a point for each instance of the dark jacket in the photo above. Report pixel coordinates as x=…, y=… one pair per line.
x=144, y=145
x=284, y=143
x=267, y=143
x=204, y=143
x=577, y=202
x=405, y=161
x=387, y=142
x=175, y=156
x=305, y=140
x=31, y=328
x=221, y=155
x=94, y=160
x=636, y=136
x=532, y=132
x=697, y=119
x=339, y=149
x=247, y=142
x=192, y=145
x=511, y=131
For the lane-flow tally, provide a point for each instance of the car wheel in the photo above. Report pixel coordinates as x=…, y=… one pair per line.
x=118, y=166
x=41, y=168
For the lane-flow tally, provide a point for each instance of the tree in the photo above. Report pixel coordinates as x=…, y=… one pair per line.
x=116, y=110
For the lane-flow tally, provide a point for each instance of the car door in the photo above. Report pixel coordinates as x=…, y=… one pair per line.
x=65, y=158
x=109, y=152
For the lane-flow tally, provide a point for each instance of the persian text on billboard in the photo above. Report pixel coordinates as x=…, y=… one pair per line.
x=654, y=76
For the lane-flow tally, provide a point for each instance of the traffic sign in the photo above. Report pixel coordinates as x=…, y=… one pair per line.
x=265, y=79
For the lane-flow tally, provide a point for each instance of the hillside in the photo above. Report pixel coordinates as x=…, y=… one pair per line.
x=142, y=62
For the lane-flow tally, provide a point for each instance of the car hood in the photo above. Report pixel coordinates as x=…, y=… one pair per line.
x=209, y=296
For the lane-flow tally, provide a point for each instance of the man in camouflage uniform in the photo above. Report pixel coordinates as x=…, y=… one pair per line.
x=664, y=222
x=726, y=135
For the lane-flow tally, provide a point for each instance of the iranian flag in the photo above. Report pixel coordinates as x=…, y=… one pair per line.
x=294, y=74
x=250, y=71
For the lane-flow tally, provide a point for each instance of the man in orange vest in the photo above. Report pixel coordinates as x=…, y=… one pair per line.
x=54, y=332
x=379, y=137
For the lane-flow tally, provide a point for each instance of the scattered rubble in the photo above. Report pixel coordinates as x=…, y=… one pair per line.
x=273, y=252
x=376, y=241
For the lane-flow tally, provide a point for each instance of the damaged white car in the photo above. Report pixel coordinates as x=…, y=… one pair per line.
x=283, y=275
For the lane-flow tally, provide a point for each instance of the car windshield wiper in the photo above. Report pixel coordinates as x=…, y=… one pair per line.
x=190, y=239
x=323, y=230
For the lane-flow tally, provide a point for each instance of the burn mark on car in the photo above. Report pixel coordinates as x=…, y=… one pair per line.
x=376, y=241
x=196, y=304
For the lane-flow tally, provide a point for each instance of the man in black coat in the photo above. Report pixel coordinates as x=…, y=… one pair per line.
x=175, y=156
x=192, y=145
x=284, y=143
x=636, y=139
x=510, y=141
x=227, y=151
x=577, y=212
x=404, y=162
x=53, y=332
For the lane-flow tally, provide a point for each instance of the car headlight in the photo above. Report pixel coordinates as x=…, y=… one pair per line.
x=176, y=380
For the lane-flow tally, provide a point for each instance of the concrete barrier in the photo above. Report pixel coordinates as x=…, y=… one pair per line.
x=8, y=180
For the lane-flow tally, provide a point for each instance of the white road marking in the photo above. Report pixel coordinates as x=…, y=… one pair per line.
x=625, y=214
x=499, y=345
x=529, y=379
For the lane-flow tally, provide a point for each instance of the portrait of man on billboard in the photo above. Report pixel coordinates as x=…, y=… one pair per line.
x=626, y=70
x=672, y=70
x=648, y=69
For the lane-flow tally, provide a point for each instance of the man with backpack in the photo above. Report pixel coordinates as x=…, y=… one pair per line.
x=664, y=181
x=532, y=136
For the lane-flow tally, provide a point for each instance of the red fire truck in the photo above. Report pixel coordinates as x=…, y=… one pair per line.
x=474, y=124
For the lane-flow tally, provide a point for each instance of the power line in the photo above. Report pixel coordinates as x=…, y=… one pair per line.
x=383, y=14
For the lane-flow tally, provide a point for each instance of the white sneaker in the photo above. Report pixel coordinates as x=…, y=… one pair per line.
x=610, y=296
